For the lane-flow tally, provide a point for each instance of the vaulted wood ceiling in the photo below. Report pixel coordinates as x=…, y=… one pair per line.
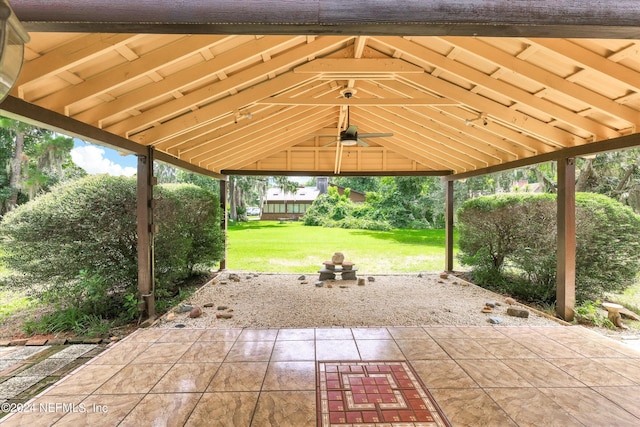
x=275, y=103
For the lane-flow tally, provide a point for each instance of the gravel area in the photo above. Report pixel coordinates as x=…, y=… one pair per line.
x=287, y=301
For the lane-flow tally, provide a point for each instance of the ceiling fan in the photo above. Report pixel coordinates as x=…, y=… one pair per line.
x=350, y=136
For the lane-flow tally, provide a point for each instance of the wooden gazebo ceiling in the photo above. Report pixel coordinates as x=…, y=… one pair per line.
x=275, y=104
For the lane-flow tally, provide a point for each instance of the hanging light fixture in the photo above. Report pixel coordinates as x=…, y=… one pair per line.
x=12, y=39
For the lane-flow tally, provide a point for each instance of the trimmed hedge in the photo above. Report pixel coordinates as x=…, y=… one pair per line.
x=510, y=242
x=89, y=225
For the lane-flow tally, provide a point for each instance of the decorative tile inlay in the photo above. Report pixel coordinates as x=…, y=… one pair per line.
x=372, y=393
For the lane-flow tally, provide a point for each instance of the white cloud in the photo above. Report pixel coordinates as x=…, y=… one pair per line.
x=93, y=160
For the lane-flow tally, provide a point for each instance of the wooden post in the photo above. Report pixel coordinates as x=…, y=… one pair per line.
x=566, y=268
x=146, y=282
x=449, y=226
x=223, y=222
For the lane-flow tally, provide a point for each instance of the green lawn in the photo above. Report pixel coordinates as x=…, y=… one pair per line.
x=269, y=246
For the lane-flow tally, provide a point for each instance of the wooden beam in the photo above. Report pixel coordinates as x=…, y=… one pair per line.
x=373, y=67
x=38, y=116
x=179, y=163
x=254, y=172
x=223, y=222
x=628, y=141
x=566, y=269
x=423, y=55
x=146, y=279
x=400, y=102
x=559, y=18
x=448, y=226
x=178, y=81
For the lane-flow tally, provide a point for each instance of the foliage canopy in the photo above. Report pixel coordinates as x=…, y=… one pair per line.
x=510, y=241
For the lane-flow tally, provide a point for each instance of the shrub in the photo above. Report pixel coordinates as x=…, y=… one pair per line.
x=511, y=240
x=79, y=241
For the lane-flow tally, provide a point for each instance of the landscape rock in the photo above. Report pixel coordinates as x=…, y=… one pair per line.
x=626, y=313
x=464, y=283
x=207, y=305
x=18, y=342
x=517, y=312
x=329, y=286
x=510, y=301
x=234, y=277
x=361, y=282
x=224, y=315
x=319, y=284
x=196, y=312
x=304, y=282
x=343, y=286
x=495, y=320
x=444, y=275
x=184, y=308
x=337, y=258
x=222, y=307
x=420, y=275
x=171, y=316
x=179, y=325
x=303, y=277
x=223, y=282
x=371, y=279
x=490, y=304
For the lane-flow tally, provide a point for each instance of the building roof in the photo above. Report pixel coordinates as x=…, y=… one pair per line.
x=220, y=99
x=304, y=194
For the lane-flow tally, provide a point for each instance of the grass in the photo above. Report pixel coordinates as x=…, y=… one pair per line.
x=13, y=302
x=269, y=246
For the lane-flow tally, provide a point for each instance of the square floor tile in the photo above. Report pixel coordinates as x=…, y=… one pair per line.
x=336, y=350
x=471, y=408
x=250, y=351
x=286, y=408
x=294, y=350
x=134, y=379
x=334, y=334
x=206, y=351
x=530, y=407
x=186, y=378
x=590, y=407
x=379, y=349
x=296, y=334
x=227, y=409
x=162, y=410
x=242, y=376
x=290, y=376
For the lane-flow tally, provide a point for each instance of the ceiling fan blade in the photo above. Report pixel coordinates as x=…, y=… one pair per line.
x=374, y=135
x=362, y=143
x=351, y=130
x=335, y=141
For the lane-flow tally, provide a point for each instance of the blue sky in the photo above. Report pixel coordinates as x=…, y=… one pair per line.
x=96, y=159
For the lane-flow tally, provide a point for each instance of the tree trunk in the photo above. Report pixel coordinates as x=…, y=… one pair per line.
x=232, y=199
x=623, y=181
x=16, y=170
x=585, y=174
x=547, y=184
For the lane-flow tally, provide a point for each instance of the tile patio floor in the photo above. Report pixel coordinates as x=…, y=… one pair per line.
x=479, y=376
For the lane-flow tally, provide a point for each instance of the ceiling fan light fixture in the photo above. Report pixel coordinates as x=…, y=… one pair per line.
x=349, y=142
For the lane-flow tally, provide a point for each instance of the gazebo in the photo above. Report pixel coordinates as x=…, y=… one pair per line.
x=452, y=89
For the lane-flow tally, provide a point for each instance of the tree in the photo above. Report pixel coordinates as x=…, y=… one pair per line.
x=286, y=185
x=21, y=135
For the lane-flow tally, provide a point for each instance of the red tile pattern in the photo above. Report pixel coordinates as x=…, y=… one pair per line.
x=377, y=393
